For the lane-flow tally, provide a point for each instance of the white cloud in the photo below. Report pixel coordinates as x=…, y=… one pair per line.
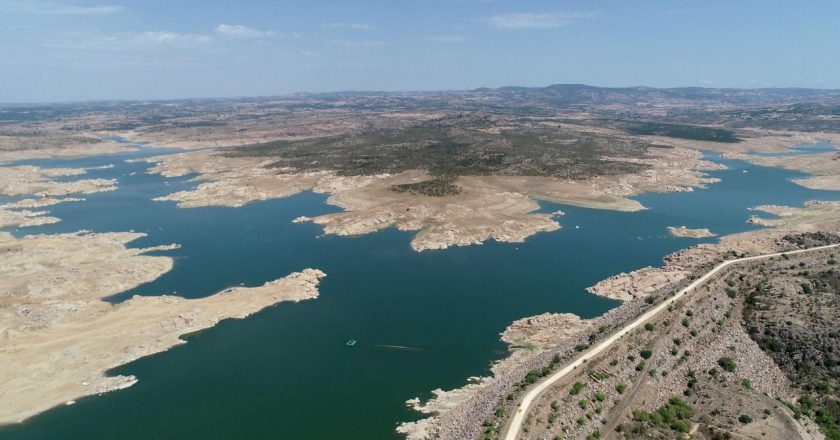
x=54, y=8
x=240, y=31
x=351, y=26
x=530, y=20
x=170, y=38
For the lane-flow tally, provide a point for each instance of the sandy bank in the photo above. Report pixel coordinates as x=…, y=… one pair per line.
x=501, y=208
x=16, y=214
x=54, y=144
x=58, y=336
x=639, y=283
x=529, y=338
x=27, y=179
x=25, y=218
x=684, y=232
x=460, y=413
x=825, y=167
x=814, y=216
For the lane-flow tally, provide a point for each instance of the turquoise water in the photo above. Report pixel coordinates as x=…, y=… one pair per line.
x=798, y=150
x=286, y=373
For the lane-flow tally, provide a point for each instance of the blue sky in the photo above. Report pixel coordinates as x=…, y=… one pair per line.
x=148, y=49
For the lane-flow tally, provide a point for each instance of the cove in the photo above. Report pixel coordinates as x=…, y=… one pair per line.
x=286, y=373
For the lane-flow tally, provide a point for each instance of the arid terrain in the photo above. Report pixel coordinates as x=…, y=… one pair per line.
x=674, y=376
x=455, y=168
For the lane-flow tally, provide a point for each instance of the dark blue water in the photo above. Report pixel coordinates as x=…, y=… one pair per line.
x=286, y=373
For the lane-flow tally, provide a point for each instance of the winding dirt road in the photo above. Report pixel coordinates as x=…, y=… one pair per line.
x=515, y=424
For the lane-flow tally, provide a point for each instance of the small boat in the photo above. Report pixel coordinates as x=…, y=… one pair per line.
x=351, y=342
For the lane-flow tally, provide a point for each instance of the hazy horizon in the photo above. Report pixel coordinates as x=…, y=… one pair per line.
x=72, y=51
x=331, y=92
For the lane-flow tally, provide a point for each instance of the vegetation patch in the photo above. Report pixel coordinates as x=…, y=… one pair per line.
x=682, y=131
x=668, y=421
x=457, y=145
x=436, y=187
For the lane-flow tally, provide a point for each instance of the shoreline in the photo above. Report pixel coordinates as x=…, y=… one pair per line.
x=685, y=232
x=823, y=168
x=502, y=208
x=462, y=417
x=789, y=216
x=59, y=337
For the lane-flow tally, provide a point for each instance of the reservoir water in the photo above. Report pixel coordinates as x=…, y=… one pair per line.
x=286, y=373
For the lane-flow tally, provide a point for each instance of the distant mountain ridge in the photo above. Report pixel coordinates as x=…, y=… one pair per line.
x=556, y=94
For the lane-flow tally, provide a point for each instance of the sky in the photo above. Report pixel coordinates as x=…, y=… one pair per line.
x=75, y=50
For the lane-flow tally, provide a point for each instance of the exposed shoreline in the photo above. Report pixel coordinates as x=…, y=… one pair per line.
x=823, y=168
x=501, y=208
x=684, y=232
x=17, y=148
x=459, y=413
x=59, y=336
x=503, y=211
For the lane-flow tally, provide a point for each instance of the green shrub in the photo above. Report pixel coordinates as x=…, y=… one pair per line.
x=743, y=418
x=532, y=377
x=730, y=292
x=621, y=387
x=576, y=388
x=640, y=366
x=727, y=364
x=673, y=415
x=679, y=426
x=583, y=403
